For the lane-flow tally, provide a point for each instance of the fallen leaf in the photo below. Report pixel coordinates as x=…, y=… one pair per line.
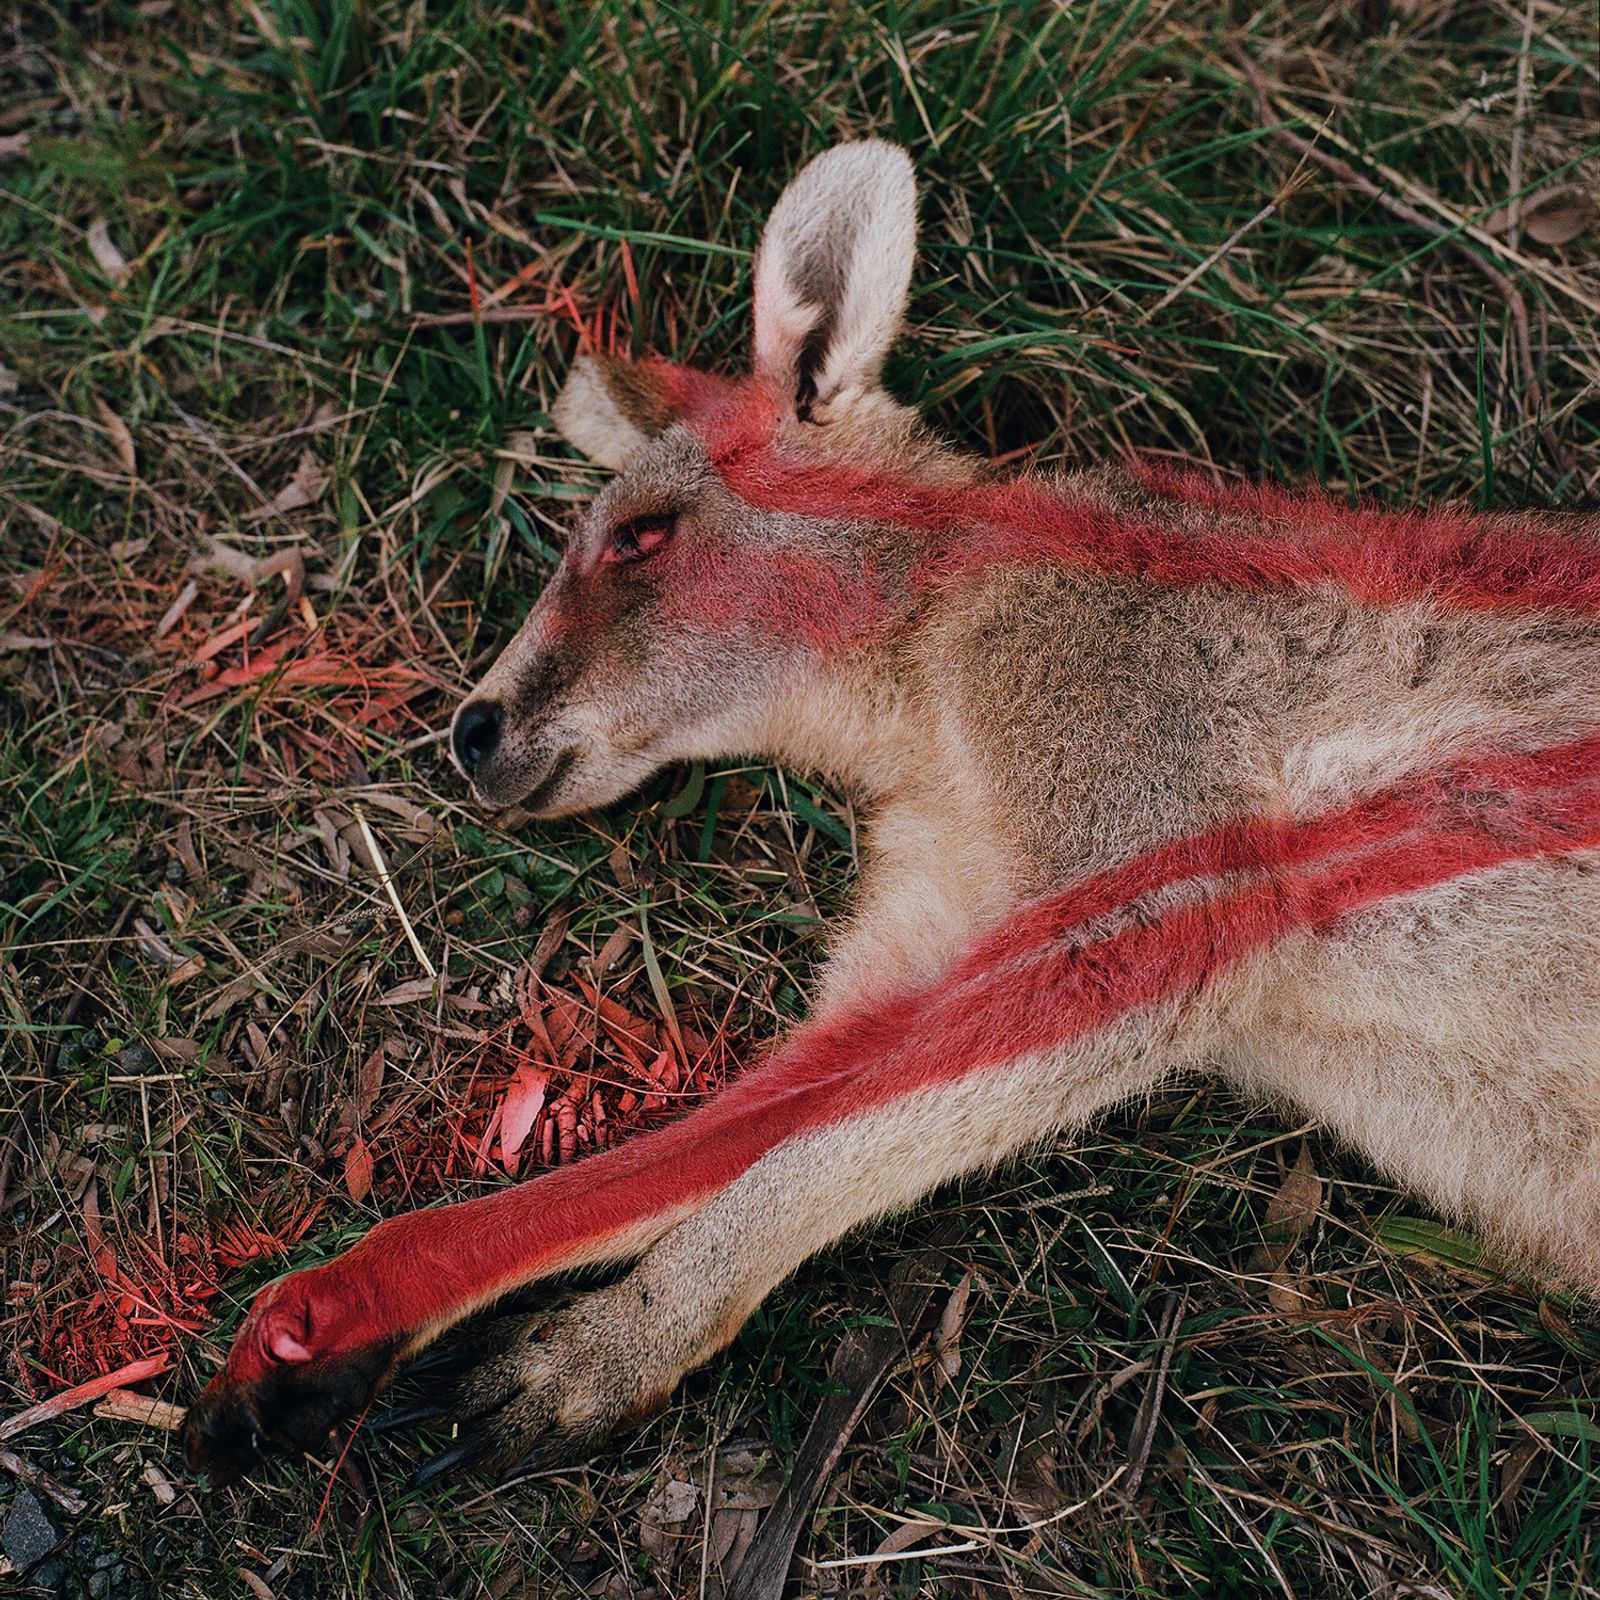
x=192, y=967
x=1559, y=215
x=13, y=144
x=947, y=1336
x=121, y=437
x=358, y=1170
x=369, y=1082
x=154, y=947
x=613, y=949
x=504, y=469
x=905, y=1537
x=520, y=1110
x=1291, y=1212
x=404, y=993
x=667, y=1507
x=1287, y=1291
x=110, y=260
x=257, y=1586
x=305, y=487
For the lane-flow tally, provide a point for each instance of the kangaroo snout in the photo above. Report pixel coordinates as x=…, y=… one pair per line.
x=475, y=734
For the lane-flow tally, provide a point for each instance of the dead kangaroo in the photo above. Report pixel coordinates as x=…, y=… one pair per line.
x=1162, y=779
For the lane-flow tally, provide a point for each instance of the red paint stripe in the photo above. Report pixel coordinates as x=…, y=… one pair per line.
x=1375, y=556
x=1276, y=845
x=1020, y=993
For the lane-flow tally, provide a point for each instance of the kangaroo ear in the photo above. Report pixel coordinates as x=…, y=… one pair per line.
x=832, y=274
x=611, y=409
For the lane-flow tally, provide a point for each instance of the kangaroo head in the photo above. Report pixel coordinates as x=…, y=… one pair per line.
x=681, y=613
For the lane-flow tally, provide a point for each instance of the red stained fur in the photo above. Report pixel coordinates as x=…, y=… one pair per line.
x=1040, y=981
x=786, y=594
x=1312, y=542
x=1372, y=555
x=1047, y=976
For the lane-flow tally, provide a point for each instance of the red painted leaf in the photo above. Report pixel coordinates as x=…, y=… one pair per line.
x=520, y=1110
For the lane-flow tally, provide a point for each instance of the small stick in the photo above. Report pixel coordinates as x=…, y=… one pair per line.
x=24, y=1471
x=123, y=1405
x=82, y=1394
x=926, y=1553
x=858, y=1368
x=1210, y=261
x=394, y=898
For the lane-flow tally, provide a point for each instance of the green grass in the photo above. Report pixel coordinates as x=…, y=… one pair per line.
x=1118, y=254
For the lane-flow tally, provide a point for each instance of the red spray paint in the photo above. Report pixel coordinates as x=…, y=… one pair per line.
x=1375, y=556
x=1048, y=976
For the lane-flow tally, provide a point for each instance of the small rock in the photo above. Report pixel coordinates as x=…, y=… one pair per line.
x=49, y=1574
x=136, y=1058
x=29, y=1535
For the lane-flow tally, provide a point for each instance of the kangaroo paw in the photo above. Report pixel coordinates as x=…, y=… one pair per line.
x=552, y=1386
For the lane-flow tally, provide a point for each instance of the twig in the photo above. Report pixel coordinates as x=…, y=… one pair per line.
x=459, y=319
x=123, y=1405
x=978, y=1536
x=863, y=1360
x=1210, y=261
x=899, y=1555
x=24, y=1471
x=1144, y=1424
x=82, y=1394
x=394, y=897
x=86, y=982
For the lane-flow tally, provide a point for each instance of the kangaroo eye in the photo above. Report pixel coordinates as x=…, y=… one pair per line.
x=638, y=538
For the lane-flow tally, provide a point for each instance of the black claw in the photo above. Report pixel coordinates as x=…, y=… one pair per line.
x=459, y=1454
x=397, y=1417
x=435, y=1359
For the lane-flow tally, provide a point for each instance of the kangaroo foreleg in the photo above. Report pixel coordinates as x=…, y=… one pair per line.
x=553, y=1384
x=1046, y=996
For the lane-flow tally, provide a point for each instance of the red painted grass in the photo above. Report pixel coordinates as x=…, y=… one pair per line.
x=1023, y=992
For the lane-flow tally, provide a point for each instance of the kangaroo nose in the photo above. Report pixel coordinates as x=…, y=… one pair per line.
x=477, y=732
